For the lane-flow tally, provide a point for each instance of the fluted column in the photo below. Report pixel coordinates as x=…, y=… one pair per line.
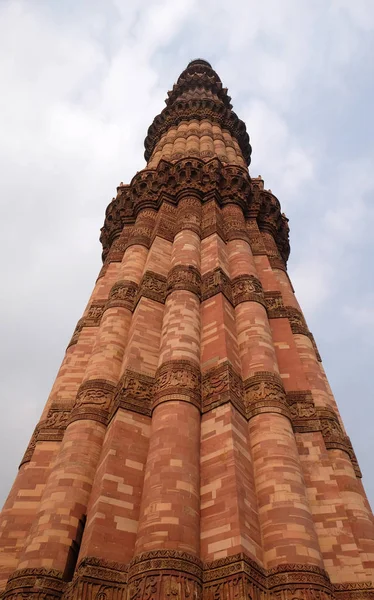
x=352, y=543
x=53, y=538
x=287, y=526
x=229, y=519
x=22, y=504
x=113, y=512
x=170, y=505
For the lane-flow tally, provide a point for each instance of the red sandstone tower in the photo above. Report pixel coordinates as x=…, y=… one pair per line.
x=191, y=447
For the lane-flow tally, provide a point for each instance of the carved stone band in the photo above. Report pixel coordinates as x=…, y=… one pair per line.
x=177, y=380
x=92, y=319
x=221, y=385
x=247, y=288
x=34, y=583
x=216, y=282
x=162, y=574
x=276, y=310
x=123, y=295
x=307, y=418
x=299, y=581
x=152, y=286
x=184, y=278
x=264, y=393
x=165, y=574
x=93, y=401
x=134, y=392
x=205, y=180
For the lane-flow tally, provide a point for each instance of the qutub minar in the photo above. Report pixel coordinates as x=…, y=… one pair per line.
x=191, y=447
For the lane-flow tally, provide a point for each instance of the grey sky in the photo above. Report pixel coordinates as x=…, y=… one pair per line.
x=80, y=86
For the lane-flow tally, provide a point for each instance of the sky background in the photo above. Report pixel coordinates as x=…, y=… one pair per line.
x=80, y=84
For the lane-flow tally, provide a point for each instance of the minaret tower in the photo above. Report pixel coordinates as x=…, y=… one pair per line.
x=191, y=447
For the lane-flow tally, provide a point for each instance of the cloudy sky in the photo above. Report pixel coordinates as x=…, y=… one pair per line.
x=80, y=83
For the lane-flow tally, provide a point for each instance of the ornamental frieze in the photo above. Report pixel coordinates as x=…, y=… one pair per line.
x=307, y=418
x=117, y=249
x=52, y=429
x=31, y=447
x=93, y=401
x=189, y=214
x=177, y=380
x=153, y=286
x=98, y=579
x=274, y=305
x=354, y=591
x=297, y=321
x=76, y=333
x=212, y=220
x=184, y=278
x=215, y=282
x=162, y=574
x=94, y=313
x=257, y=244
x=34, y=583
x=264, y=392
x=247, y=288
x=134, y=392
x=222, y=384
x=92, y=319
x=206, y=180
x=122, y=294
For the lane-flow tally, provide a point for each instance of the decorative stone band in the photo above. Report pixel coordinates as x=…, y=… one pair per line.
x=244, y=288
x=92, y=319
x=98, y=579
x=30, y=448
x=247, y=288
x=189, y=214
x=122, y=294
x=264, y=393
x=277, y=310
x=221, y=385
x=38, y=584
x=117, y=249
x=235, y=576
x=177, y=380
x=306, y=418
x=184, y=278
x=291, y=581
x=216, y=282
x=354, y=591
x=206, y=180
x=134, y=392
x=50, y=430
x=162, y=574
x=212, y=220
x=152, y=286
x=93, y=401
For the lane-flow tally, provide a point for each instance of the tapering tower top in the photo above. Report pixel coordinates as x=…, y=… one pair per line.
x=198, y=96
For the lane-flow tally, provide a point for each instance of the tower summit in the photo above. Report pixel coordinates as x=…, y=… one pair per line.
x=191, y=447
